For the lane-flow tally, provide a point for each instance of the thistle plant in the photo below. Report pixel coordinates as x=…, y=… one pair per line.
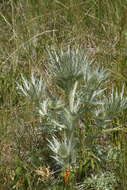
x=64, y=151
x=103, y=181
x=80, y=113
x=115, y=104
x=33, y=89
x=65, y=67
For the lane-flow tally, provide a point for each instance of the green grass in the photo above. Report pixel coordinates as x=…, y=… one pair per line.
x=27, y=29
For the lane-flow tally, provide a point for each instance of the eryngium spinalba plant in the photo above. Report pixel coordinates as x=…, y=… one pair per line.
x=74, y=109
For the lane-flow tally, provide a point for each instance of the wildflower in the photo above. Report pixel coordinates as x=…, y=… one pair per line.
x=67, y=176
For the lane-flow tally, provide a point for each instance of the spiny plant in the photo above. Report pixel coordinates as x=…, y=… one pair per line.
x=34, y=89
x=102, y=181
x=74, y=120
x=96, y=25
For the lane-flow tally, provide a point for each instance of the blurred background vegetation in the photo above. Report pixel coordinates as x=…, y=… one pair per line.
x=27, y=28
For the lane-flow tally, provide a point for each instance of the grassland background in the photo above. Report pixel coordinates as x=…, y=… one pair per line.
x=27, y=27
